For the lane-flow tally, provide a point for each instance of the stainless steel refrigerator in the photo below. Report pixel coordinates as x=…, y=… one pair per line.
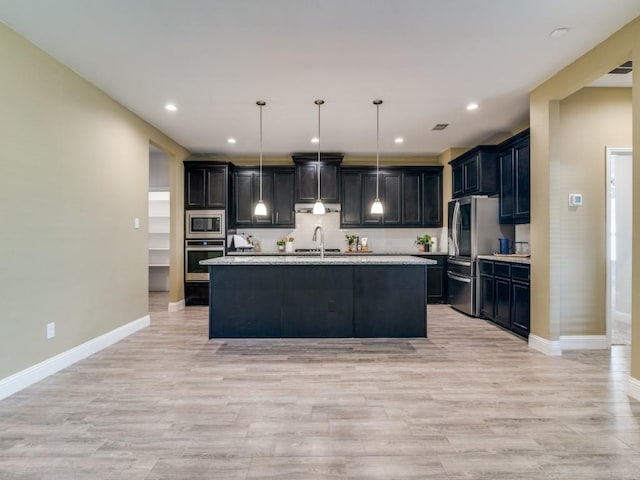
x=474, y=229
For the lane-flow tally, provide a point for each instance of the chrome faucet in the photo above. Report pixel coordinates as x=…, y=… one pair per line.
x=315, y=238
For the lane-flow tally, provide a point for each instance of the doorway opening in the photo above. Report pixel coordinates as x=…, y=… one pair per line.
x=619, y=243
x=159, y=222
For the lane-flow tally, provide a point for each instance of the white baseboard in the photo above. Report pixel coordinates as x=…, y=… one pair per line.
x=633, y=388
x=548, y=347
x=29, y=376
x=176, y=306
x=584, y=342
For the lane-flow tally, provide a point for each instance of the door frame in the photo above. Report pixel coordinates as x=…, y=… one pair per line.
x=610, y=151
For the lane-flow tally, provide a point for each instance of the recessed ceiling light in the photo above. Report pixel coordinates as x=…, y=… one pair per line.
x=314, y=140
x=472, y=106
x=171, y=107
x=559, y=32
x=399, y=140
x=231, y=140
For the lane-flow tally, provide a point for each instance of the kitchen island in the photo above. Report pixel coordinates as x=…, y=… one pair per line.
x=313, y=297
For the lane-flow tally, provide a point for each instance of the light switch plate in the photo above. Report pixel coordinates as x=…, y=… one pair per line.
x=136, y=223
x=51, y=330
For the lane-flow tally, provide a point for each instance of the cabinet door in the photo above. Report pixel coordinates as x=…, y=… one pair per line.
x=267, y=198
x=306, y=182
x=520, y=316
x=521, y=181
x=471, y=169
x=369, y=195
x=329, y=185
x=436, y=281
x=391, y=197
x=216, y=188
x=507, y=197
x=243, y=198
x=457, y=175
x=283, y=199
x=195, y=180
x=351, y=208
x=502, y=304
x=487, y=296
x=432, y=200
x=411, y=198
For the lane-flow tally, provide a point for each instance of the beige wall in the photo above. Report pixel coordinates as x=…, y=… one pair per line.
x=547, y=199
x=73, y=176
x=590, y=119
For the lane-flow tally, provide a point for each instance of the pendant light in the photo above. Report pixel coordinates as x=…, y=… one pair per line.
x=376, y=207
x=261, y=208
x=318, y=207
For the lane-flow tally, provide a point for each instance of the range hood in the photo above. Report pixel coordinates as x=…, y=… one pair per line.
x=308, y=207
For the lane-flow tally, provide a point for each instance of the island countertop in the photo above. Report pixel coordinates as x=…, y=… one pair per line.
x=316, y=260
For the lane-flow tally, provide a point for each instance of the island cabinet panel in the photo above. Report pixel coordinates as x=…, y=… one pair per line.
x=322, y=302
x=205, y=185
x=245, y=302
x=390, y=302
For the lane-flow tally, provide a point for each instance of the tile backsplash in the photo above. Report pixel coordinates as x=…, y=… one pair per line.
x=380, y=240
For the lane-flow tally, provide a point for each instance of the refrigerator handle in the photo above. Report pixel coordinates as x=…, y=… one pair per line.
x=456, y=227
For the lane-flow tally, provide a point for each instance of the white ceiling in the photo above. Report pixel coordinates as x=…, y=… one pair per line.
x=427, y=59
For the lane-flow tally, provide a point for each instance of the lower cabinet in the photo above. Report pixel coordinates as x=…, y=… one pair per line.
x=437, y=279
x=504, y=295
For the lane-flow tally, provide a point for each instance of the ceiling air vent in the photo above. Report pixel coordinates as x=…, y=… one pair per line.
x=440, y=126
x=626, y=67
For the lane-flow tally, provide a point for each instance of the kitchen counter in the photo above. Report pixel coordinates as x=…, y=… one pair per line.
x=332, y=254
x=508, y=259
x=273, y=296
x=314, y=259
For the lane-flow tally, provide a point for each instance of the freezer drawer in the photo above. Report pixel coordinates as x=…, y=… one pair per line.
x=462, y=293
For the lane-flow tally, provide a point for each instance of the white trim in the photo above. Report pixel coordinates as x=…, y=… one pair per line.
x=176, y=306
x=584, y=342
x=633, y=387
x=548, y=347
x=622, y=317
x=18, y=381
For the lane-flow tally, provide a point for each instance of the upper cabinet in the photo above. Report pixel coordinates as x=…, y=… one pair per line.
x=411, y=197
x=277, y=195
x=475, y=172
x=306, y=168
x=513, y=158
x=205, y=185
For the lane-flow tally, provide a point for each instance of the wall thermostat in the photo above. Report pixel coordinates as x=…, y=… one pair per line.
x=575, y=199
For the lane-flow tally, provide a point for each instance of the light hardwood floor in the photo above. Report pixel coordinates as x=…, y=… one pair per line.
x=470, y=402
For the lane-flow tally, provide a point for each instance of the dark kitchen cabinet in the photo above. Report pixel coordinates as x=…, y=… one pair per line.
x=504, y=295
x=514, y=159
x=277, y=195
x=475, y=172
x=411, y=196
x=205, y=185
x=437, y=279
x=306, y=168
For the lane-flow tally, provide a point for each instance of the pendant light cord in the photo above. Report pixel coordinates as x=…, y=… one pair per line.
x=261, y=104
x=319, y=102
x=377, y=148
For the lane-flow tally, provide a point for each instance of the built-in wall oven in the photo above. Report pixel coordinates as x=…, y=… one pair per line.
x=197, y=250
x=204, y=224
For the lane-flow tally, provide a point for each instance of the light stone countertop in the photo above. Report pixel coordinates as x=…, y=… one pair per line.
x=316, y=260
x=508, y=259
x=331, y=254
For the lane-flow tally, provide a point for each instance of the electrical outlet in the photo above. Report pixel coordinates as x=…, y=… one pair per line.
x=51, y=330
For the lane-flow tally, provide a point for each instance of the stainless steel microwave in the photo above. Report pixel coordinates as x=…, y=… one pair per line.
x=203, y=224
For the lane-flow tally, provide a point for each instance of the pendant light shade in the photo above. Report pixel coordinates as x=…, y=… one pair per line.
x=376, y=207
x=318, y=207
x=261, y=208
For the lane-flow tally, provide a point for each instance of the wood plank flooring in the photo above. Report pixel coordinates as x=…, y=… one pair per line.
x=469, y=402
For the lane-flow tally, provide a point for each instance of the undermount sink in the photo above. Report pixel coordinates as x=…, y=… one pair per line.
x=317, y=250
